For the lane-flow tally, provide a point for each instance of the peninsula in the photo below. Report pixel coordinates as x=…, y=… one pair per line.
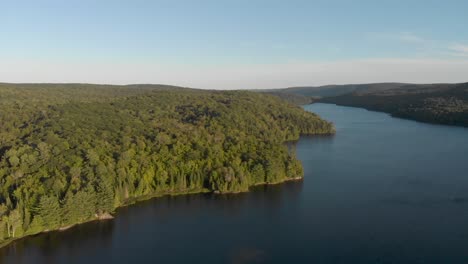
x=72, y=153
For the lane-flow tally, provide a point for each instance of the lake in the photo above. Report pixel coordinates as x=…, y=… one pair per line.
x=382, y=190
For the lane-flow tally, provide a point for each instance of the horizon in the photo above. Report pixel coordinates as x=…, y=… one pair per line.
x=202, y=88
x=240, y=45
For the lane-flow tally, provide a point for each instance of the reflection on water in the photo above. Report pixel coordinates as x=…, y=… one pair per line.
x=382, y=190
x=44, y=247
x=247, y=255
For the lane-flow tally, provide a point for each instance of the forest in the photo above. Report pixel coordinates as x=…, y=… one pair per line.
x=71, y=153
x=432, y=103
x=438, y=103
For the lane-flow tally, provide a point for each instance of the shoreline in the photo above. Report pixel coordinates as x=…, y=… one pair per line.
x=109, y=216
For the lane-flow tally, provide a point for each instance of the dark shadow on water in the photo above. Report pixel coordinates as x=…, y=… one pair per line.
x=45, y=246
x=247, y=255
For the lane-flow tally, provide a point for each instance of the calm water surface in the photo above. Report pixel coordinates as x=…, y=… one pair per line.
x=382, y=190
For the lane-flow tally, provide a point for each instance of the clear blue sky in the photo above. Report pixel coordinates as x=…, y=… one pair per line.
x=233, y=44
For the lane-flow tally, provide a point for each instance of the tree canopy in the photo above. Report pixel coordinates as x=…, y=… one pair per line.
x=69, y=153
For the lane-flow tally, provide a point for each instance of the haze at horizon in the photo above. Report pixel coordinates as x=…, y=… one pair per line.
x=234, y=45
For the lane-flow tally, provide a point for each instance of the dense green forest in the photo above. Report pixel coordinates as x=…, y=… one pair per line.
x=72, y=153
x=434, y=103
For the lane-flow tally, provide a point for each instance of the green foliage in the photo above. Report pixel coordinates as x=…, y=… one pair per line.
x=69, y=153
x=3, y=228
x=14, y=223
x=49, y=210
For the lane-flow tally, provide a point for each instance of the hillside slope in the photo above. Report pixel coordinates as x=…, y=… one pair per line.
x=335, y=90
x=433, y=103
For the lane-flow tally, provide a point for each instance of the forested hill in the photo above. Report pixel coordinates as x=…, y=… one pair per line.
x=432, y=103
x=333, y=90
x=70, y=153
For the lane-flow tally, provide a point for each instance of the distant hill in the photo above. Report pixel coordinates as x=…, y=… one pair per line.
x=432, y=103
x=296, y=99
x=335, y=90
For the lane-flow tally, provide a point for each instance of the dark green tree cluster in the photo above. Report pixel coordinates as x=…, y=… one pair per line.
x=70, y=153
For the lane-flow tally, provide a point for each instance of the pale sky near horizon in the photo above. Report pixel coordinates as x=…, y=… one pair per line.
x=234, y=44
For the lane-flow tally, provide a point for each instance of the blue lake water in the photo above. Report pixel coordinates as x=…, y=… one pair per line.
x=382, y=190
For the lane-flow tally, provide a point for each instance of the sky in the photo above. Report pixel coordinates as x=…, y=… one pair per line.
x=238, y=44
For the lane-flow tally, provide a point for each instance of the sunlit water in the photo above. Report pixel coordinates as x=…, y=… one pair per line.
x=382, y=190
